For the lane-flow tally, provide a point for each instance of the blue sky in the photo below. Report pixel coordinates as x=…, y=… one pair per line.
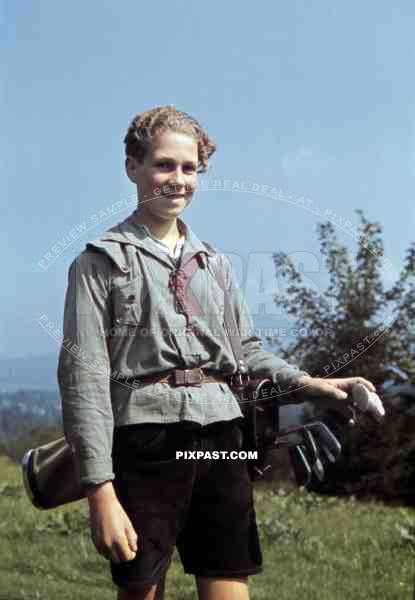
x=315, y=99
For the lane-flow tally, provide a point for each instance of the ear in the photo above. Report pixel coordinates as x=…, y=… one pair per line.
x=131, y=168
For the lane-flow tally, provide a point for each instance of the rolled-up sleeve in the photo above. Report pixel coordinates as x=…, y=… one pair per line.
x=84, y=367
x=260, y=362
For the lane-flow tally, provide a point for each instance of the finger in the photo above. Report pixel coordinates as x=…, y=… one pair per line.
x=122, y=551
x=366, y=383
x=112, y=553
x=348, y=382
x=329, y=391
x=116, y=554
x=326, y=388
x=130, y=555
x=132, y=538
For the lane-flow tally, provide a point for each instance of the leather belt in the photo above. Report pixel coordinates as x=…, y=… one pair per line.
x=176, y=377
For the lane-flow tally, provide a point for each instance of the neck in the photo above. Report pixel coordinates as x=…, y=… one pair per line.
x=160, y=228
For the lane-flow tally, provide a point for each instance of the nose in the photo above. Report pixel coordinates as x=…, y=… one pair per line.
x=178, y=178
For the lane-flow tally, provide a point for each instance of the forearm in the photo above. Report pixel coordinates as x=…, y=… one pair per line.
x=261, y=364
x=88, y=427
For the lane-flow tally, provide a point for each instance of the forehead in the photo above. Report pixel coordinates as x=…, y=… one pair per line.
x=170, y=144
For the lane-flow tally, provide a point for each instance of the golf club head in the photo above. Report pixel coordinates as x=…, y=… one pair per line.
x=300, y=464
x=302, y=439
x=318, y=470
x=326, y=440
x=310, y=446
x=311, y=452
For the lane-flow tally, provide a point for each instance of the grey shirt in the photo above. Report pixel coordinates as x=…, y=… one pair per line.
x=121, y=322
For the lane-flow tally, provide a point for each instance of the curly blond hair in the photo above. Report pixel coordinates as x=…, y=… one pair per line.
x=146, y=125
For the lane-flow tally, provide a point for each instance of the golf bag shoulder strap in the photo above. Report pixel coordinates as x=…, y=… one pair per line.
x=231, y=326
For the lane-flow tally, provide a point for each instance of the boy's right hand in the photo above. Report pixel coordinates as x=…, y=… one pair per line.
x=112, y=532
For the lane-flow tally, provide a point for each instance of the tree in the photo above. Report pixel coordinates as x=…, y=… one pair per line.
x=356, y=328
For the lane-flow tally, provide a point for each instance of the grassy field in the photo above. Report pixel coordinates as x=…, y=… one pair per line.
x=313, y=547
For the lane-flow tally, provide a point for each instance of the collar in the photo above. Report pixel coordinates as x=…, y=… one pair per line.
x=180, y=241
x=135, y=234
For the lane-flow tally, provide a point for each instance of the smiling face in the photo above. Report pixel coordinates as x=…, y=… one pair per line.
x=167, y=176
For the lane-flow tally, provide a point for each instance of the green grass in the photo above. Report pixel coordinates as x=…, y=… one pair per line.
x=313, y=547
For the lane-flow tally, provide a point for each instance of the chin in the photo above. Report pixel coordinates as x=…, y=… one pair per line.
x=169, y=213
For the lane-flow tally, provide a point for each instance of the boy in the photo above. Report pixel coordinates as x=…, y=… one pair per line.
x=151, y=378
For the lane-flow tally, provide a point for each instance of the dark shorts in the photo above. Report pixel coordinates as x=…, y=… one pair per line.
x=203, y=506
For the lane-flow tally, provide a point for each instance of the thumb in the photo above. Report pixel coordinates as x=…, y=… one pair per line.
x=341, y=395
x=331, y=390
x=336, y=391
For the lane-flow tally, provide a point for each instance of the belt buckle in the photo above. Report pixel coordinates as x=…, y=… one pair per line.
x=187, y=377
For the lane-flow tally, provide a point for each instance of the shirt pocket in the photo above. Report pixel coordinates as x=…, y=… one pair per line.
x=127, y=303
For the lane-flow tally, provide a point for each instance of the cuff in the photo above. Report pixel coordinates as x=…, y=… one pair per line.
x=288, y=377
x=93, y=472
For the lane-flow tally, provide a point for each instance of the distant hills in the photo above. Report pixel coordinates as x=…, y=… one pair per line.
x=25, y=410
x=22, y=372
x=29, y=395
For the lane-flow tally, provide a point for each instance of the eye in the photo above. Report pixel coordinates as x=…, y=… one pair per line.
x=190, y=168
x=164, y=165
